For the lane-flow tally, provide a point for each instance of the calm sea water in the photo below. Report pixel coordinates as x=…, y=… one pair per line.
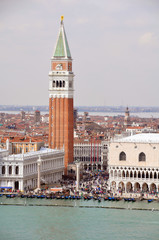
x=76, y=223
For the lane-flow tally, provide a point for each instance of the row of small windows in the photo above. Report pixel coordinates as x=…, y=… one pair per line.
x=10, y=170
x=105, y=147
x=58, y=84
x=142, y=157
x=15, y=150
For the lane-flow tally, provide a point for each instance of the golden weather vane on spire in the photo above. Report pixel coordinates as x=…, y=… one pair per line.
x=62, y=17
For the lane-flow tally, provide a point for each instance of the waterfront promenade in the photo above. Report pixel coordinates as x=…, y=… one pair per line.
x=93, y=193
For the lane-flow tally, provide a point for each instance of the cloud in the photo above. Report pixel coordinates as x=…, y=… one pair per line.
x=148, y=38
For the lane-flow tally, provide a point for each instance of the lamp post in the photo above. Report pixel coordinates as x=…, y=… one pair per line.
x=39, y=165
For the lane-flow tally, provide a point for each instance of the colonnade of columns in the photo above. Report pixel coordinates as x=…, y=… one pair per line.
x=133, y=178
x=93, y=166
x=134, y=186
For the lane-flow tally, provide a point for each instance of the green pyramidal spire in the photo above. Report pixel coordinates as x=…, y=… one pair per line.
x=62, y=48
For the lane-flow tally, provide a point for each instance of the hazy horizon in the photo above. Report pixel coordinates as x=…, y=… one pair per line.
x=114, y=46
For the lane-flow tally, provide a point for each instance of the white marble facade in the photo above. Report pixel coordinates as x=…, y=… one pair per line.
x=91, y=155
x=134, y=163
x=20, y=171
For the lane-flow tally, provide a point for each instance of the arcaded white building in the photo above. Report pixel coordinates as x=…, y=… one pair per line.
x=20, y=171
x=92, y=156
x=134, y=163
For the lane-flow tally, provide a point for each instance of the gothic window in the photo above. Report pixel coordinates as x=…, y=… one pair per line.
x=16, y=170
x=10, y=170
x=53, y=84
x=143, y=175
x=63, y=83
x=122, y=156
x=115, y=173
x=60, y=83
x=57, y=83
x=135, y=174
x=131, y=174
x=155, y=175
x=127, y=174
x=142, y=157
x=3, y=170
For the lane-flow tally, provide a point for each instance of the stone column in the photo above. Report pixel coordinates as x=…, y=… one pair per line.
x=102, y=166
x=77, y=175
x=39, y=165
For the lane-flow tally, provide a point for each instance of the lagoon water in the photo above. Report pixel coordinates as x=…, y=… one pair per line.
x=108, y=114
x=75, y=220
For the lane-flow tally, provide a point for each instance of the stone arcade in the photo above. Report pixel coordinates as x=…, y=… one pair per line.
x=20, y=171
x=134, y=163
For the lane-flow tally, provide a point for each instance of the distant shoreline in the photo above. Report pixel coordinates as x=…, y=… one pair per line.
x=104, y=109
x=103, y=114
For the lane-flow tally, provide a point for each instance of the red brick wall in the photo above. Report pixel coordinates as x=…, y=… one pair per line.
x=62, y=128
x=54, y=64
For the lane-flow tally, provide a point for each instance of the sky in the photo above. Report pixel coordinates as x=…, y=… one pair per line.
x=114, y=45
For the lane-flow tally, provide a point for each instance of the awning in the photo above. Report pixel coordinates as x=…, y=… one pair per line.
x=6, y=187
x=56, y=189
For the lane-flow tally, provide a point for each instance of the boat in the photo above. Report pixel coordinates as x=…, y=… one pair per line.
x=106, y=199
x=58, y=197
x=89, y=197
x=28, y=196
x=23, y=196
x=95, y=198
x=150, y=200
x=117, y=199
x=48, y=197
x=41, y=196
x=10, y=195
x=53, y=197
x=85, y=197
x=133, y=200
x=129, y=199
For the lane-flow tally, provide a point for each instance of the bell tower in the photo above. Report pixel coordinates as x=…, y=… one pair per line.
x=127, y=117
x=61, y=89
